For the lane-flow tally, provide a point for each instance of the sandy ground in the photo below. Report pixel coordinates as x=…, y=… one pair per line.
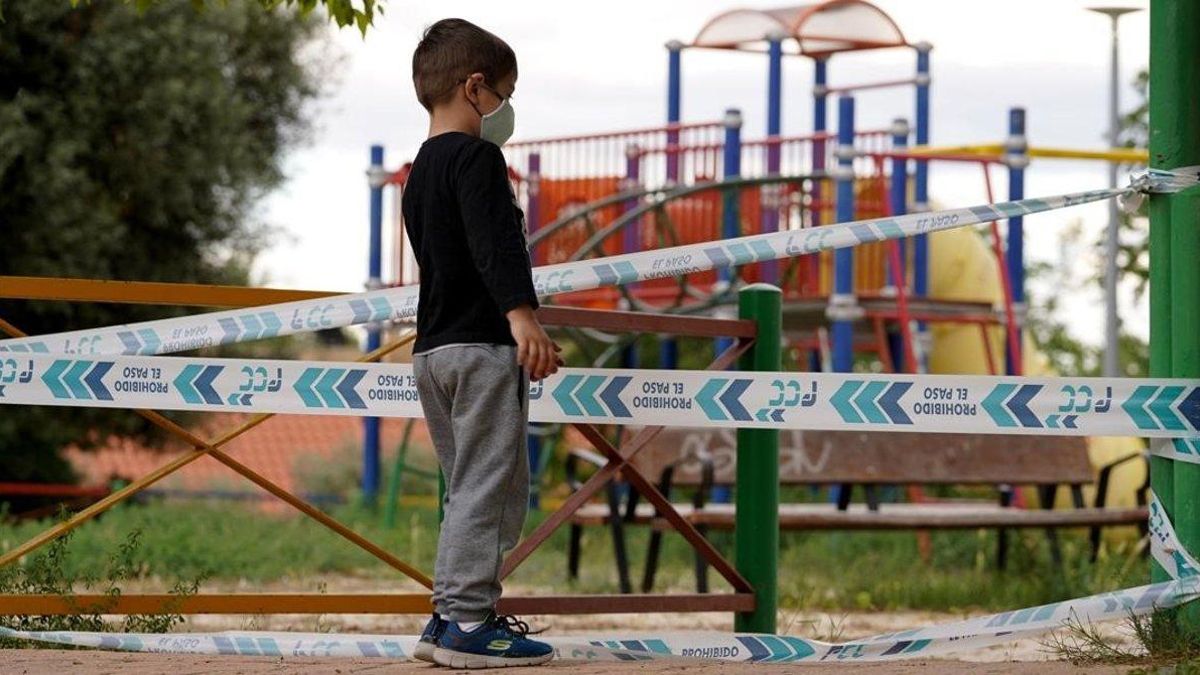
x=1025, y=656
x=57, y=662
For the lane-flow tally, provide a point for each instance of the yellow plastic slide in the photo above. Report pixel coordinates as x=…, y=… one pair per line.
x=963, y=268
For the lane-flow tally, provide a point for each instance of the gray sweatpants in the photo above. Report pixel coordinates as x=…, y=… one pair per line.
x=475, y=398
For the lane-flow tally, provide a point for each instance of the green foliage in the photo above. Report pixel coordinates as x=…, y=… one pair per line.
x=47, y=573
x=1158, y=641
x=1068, y=354
x=818, y=570
x=342, y=12
x=135, y=147
x=1133, y=253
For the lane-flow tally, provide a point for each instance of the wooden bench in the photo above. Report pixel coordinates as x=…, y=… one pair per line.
x=701, y=459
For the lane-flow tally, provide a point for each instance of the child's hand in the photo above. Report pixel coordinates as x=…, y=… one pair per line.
x=535, y=350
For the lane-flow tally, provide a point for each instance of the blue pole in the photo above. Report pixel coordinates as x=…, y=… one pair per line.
x=730, y=199
x=533, y=218
x=898, y=195
x=674, y=104
x=842, y=305
x=630, y=239
x=533, y=181
x=376, y=177
x=820, y=125
x=921, y=191
x=731, y=168
x=812, y=282
x=1016, y=148
x=770, y=213
x=668, y=345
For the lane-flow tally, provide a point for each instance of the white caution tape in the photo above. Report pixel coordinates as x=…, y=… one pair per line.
x=1165, y=546
x=1164, y=408
x=392, y=304
x=1177, y=449
x=958, y=636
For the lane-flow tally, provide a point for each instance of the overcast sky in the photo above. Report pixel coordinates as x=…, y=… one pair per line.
x=601, y=65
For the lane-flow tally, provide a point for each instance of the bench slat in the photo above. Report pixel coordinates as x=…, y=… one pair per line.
x=831, y=457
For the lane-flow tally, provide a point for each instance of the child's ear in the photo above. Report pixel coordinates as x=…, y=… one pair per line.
x=471, y=87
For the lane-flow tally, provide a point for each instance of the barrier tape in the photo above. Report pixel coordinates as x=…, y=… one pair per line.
x=1165, y=408
x=215, y=328
x=946, y=638
x=1176, y=449
x=1071, y=406
x=992, y=629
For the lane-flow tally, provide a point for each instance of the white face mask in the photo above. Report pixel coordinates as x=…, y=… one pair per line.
x=497, y=126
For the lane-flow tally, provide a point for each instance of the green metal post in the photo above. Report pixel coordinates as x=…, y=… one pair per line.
x=756, y=533
x=393, y=491
x=1185, y=346
x=1174, y=244
x=441, y=497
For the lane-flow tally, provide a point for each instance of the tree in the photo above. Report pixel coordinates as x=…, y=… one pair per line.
x=1133, y=254
x=1068, y=354
x=133, y=146
x=343, y=12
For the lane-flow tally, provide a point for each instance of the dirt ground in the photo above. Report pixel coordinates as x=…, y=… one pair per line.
x=1024, y=656
x=56, y=662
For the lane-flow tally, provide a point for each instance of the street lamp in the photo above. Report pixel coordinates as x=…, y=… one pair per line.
x=1111, y=322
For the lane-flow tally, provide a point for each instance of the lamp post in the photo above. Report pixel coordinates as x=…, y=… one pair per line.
x=1111, y=322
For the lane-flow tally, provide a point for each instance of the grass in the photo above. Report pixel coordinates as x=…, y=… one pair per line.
x=848, y=571
x=45, y=572
x=1158, y=641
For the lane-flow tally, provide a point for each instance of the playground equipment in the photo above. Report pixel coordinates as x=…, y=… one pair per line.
x=1157, y=408
x=601, y=194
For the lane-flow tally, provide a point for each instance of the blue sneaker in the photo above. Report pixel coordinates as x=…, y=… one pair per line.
x=498, y=642
x=429, y=637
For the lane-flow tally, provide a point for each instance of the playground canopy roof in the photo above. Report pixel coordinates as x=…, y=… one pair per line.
x=819, y=28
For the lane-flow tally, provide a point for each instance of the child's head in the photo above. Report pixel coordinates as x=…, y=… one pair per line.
x=464, y=77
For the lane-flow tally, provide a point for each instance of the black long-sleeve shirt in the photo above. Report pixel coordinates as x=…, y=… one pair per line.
x=468, y=235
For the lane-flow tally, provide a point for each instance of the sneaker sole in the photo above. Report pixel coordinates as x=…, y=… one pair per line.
x=424, y=652
x=453, y=659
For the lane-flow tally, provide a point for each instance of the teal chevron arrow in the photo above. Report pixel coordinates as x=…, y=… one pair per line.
x=1052, y=421
x=325, y=387
x=741, y=254
x=865, y=400
x=586, y=395
x=304, y=385
x=562, y=394
x=779, y=649
x=382, y=309
x=50, y=378
x=626, y=272
x=890, y=228
x=183, y=383
x=841, y=401
x=1135, y=407
x=993, y=404
x=1185, y=446
x=707, y=399
x=762, y=249
x=271, y=324
x=762, y=414
x=150, y=338
x=1160, y=407
x=73, y=378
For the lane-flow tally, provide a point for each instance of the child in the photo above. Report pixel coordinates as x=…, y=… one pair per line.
x=479, y=342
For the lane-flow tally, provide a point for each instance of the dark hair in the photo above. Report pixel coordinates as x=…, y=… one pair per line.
x=452, y=49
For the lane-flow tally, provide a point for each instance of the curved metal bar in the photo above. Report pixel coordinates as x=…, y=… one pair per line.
x=632, y=215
